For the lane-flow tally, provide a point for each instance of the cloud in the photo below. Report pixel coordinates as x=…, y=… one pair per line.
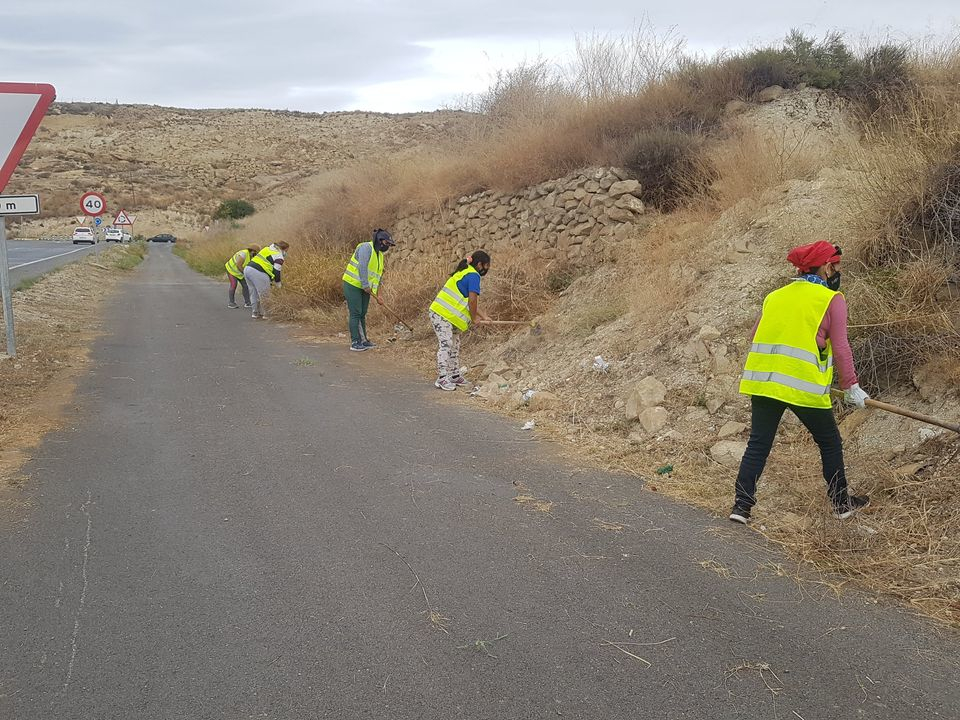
x=323, y=55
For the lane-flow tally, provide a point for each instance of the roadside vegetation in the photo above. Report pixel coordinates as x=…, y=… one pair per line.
x=641, y=103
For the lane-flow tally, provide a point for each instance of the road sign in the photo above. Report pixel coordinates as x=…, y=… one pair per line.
x=93, y=203
x=97, y=221
x=22, y=107
x=19, y=204
x=81, y=219
x=122, y=218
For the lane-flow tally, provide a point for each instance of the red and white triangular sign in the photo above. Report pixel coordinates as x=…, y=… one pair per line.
x=22, y=107
x=81, y=219
x=122, y=218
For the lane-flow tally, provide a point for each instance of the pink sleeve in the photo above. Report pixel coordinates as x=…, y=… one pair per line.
x=833, y=327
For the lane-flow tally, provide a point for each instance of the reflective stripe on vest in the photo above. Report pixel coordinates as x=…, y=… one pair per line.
x=264, y=261
x=233, y=268
x=374, y=269
x=785, y=362
x=451, y=305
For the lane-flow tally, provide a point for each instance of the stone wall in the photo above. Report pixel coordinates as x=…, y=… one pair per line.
x=566, y=219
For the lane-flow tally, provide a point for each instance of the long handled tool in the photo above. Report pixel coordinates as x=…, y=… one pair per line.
x=532, y=324
x=906, y=413
x=396, y=316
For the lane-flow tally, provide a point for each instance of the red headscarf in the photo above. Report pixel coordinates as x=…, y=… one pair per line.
x=807, y=257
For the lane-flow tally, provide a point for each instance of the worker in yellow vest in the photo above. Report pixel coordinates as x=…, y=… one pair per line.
x=362, y=280
x=263, y=272
x=235, y=265
x=801, y=332
x=455, y=308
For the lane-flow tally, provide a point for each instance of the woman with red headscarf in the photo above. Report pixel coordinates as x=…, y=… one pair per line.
x=801, y=332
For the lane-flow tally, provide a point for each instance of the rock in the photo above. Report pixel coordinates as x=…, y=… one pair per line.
x=770, y=94
x=624, y=187
x=647, y=393
x=636, y=438
x=708, y=333
x=715, y=402
x=543, y=400
x=693, y=319
x=728, y=452
x=654, y=419
x=621, y=215
x=731, y=429
x=696, y=414
x=631, y=203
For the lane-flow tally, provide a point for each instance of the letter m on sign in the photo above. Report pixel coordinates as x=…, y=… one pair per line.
x=22, y=107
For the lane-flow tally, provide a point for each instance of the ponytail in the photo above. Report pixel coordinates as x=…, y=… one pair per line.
x=477, y=256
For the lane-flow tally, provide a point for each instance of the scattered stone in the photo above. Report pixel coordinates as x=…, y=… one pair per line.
x=715, y=402
x=735, y=107
x=728, y=452
x=730, y=429
x=543, y=400
x=654, y=419
x=647, y=393
x=624, y=187
x=709, y=333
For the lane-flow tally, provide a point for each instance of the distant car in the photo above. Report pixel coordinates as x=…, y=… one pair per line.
x=84, y=235
x=162, y=237
x=113, y=234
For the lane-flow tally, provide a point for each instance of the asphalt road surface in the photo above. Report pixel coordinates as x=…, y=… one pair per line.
x=29, y=258
x=237, y=524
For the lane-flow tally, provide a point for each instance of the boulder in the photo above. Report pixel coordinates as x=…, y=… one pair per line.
x=730, y=429
x=648, y=393
x=715, y=402
x=728, y=452
x=708, y=333
x=620, y=215
x=735, y=107
x=654, y=419
x=631, y=203
x=770, y=94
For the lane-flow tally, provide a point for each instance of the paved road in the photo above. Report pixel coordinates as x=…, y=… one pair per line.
x=30, y=258
x=235, y=525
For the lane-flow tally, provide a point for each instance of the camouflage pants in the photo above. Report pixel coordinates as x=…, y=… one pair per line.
x=448, y=353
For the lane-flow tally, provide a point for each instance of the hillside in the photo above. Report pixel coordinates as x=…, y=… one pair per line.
x=172, y=167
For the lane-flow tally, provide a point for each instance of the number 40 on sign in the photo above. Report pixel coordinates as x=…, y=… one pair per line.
x=93, y=204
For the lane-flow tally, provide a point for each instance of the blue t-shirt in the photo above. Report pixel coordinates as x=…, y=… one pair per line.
x=468, y=284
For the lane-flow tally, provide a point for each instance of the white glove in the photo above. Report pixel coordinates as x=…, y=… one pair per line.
x=279, y=285
x=854, y=395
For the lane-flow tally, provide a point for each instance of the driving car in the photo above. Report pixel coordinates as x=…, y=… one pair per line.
x=162, y=237
x=113, y=234
x=84, y=235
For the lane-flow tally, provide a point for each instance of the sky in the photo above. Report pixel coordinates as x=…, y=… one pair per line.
x=377, y=55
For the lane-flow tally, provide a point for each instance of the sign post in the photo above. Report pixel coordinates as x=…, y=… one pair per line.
x=22, y=107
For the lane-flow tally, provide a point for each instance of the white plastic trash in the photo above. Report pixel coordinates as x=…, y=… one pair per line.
x=529, y=425
x=600, y=365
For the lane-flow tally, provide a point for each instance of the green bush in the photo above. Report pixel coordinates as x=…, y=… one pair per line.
x=668, y=165
x=234, y=210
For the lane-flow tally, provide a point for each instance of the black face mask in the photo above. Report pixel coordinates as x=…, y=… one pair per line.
x=833, y=282
x=484, y=271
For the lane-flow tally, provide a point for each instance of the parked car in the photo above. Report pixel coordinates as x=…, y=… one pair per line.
x=84, y=235
x=127, y=237
x=113, y=234
x=162, y=237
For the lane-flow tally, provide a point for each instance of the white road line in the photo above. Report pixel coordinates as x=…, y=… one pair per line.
x=34, y=262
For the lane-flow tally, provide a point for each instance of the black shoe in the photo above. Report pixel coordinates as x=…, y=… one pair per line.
x=848, y=508
x=740, y=514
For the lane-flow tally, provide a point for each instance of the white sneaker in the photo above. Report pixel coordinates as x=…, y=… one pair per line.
x=444, y=384
x=232, y=306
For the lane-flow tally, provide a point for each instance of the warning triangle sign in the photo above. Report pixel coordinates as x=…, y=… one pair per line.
x=122, y=218
x=22, y=107
x=81, y=219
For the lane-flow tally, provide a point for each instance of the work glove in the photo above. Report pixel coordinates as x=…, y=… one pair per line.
x=279, y=285
x=854, y=395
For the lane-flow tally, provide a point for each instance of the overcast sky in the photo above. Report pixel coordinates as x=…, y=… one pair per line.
x=379, y=55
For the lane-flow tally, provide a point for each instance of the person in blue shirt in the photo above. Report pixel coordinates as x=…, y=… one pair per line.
x=455, y=308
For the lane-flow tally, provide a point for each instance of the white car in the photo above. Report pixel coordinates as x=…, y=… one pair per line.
x=113, y=234
x=84, y=235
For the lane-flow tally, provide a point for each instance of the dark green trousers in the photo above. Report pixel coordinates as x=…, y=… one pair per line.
x=357, y=303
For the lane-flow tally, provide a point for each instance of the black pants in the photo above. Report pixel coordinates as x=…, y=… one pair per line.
x=766, y=415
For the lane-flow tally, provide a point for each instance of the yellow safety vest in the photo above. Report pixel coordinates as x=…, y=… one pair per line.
x=785, y=362
x=233, y=268
x=451, y=305
x=374, y=269
x=264, y=260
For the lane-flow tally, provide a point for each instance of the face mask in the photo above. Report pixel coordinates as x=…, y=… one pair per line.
x=484, y=271
x=833, y=282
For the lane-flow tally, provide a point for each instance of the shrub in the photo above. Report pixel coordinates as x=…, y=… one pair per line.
x=234, y=210
x=668, y=165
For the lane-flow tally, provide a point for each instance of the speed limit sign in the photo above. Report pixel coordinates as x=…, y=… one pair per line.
x=92, y=203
